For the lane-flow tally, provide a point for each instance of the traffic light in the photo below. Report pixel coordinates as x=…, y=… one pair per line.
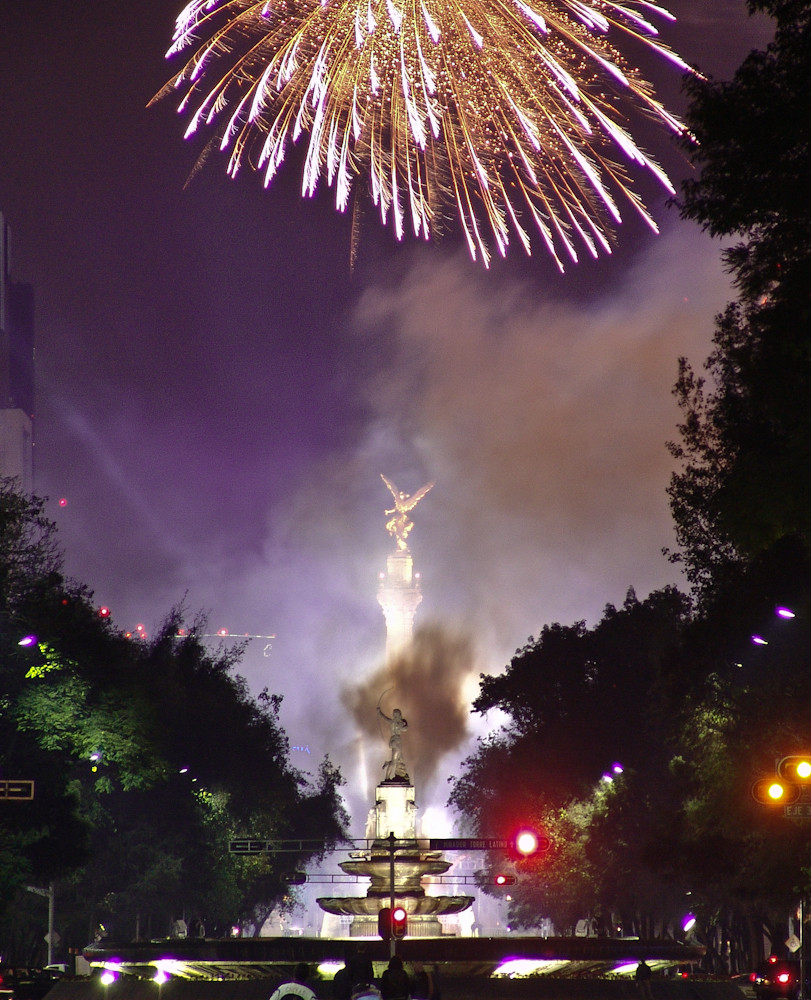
x=795, y=767
x=294, y=878
x=774, y=792
x=399, y=922
x=792, y=777
x=527, y=842
x=384, y=922
x=501, y=879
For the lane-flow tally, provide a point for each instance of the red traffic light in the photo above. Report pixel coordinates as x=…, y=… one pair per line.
x=399, y=922
x=527, y=842
x=501, y=879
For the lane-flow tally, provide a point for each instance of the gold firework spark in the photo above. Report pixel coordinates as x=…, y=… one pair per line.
x=511, y=112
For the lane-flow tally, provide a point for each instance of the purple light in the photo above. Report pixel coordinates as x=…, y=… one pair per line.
x=758, y=640
x=784, y=613
x=27, y=640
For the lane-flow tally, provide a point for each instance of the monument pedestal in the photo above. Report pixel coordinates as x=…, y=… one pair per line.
x=399, y=596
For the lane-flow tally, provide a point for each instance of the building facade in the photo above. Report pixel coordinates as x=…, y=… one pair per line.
x=16, y=371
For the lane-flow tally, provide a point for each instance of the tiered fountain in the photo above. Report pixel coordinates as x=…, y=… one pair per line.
x=393, y=861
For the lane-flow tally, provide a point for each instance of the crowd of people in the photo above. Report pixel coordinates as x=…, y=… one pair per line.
x=356, y=981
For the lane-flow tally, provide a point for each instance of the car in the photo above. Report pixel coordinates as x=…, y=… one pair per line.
x=6, y=983
x=27, y=984
x=777, y=978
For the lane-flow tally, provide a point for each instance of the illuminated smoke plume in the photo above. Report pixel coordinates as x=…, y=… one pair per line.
x=426, y=682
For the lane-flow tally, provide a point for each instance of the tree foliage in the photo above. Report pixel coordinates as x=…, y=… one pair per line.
x=693, y=709
x=148, y=756
x=745, y=445
x=695, y=712
x=750, y=143
x=579, y=702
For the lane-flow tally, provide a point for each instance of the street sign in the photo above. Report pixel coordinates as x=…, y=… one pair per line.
x=18, y=791
x=248, y=846
x=470, y=844
x=251, y=846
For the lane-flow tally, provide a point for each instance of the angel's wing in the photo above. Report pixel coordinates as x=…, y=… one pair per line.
x=394, y=491
x=411, y=502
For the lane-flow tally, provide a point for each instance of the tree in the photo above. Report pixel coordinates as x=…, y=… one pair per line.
x=139, y=750
x=720, y=710
x=740, y=499
x=750, y=139
x=37, y=838
x=578, y=701
x=745, y=448
x=570, y=693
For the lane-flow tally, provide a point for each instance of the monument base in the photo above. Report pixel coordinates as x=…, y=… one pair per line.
x=418, y=926
x=395, y=812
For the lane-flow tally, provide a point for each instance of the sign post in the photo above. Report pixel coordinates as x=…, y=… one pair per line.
x=50, y=936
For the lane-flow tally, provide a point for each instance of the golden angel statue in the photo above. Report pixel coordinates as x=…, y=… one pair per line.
x=399, y=525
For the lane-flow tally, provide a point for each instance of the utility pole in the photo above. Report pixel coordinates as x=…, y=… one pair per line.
x=392, y=942
x=803, y=991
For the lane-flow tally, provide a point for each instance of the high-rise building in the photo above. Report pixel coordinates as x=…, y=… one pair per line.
x=16, y=371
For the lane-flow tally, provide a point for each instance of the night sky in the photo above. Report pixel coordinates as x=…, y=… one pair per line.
x=218, y=393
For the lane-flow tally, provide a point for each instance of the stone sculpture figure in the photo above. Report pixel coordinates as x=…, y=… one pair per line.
x=395, y=766
x=399, y=526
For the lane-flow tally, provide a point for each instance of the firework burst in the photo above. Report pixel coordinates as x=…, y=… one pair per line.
x=512, y=114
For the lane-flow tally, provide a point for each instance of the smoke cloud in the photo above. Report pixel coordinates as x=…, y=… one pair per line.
x=543, y=422
x=426, y=681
